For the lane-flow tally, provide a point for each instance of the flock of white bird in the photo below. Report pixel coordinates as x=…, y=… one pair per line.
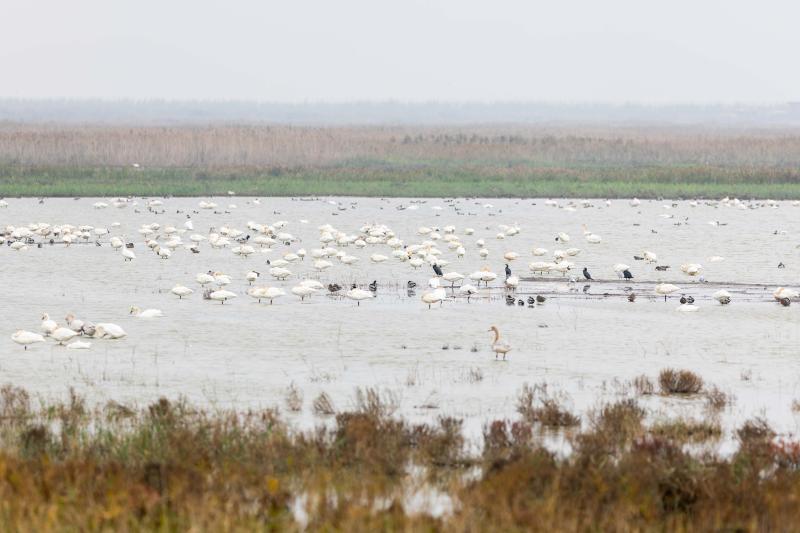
x=431, y=247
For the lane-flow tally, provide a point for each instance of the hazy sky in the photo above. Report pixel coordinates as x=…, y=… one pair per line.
x=335, y=50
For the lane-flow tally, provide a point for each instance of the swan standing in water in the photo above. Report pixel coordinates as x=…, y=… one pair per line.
x=467, y=290
x=498, y=346
x=664, y=289
x=358, y=295
x=146, y=313
x=435, y=296
x=26, y=338
x=180, y=291
x=302, y=291
x=453, y=278
x=266, y=293
x=222, y=295
x=512, y=282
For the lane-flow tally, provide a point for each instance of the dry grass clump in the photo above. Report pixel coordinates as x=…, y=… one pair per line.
x=673, y=381
x=681, y=430
x=323, y=405
x=536, y=406
x=475, y=375
x=643, y=385
x=717, y=400
x=755, y=430
x=294, y=398
x=440, y=445
x=372, y=402
x=15, y=404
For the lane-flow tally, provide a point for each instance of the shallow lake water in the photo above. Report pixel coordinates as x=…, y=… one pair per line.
x=585, y=344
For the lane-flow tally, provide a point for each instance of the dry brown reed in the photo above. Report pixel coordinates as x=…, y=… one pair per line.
x=173, y=466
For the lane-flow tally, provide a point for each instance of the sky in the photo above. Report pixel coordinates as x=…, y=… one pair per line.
x=615, y=51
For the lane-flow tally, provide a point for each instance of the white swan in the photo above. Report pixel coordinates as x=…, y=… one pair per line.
x=266, y=293
x=664, y=289
x=302, y=291
x=359, y=295
x=782, y=292
x=73, y=323
x=722, y=296
x=434, y=296
x=692, y=269
x=146, y=313
x=128, y=255
x=26, y=338
x=222, y=279
x=180, y=291
x=467, y=290
x=312, y=284
x=487, y=276
x=62, y=335
x=498, y=346
x=280, y=273
x=619, y=268
x=48, y=325
x=453, y=277
x=512, y=282
x=542, y=267
x=204, y=279
x=222, y=296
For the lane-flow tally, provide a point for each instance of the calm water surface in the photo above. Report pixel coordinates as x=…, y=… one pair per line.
x=585, y=345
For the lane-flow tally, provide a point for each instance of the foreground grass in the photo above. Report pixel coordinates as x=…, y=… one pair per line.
x=172, y=466
x=430, y=179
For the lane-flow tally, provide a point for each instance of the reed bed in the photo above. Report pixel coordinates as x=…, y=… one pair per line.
x=520, y=161
x=174, y=466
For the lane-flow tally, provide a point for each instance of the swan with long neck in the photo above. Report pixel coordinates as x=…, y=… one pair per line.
x=498, y=346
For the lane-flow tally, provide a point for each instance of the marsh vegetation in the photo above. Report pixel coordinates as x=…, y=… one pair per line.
x=492, y=161
x=172, y=465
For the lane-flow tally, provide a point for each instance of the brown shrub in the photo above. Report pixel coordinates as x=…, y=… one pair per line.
x=536, y=407
x=673, y=381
